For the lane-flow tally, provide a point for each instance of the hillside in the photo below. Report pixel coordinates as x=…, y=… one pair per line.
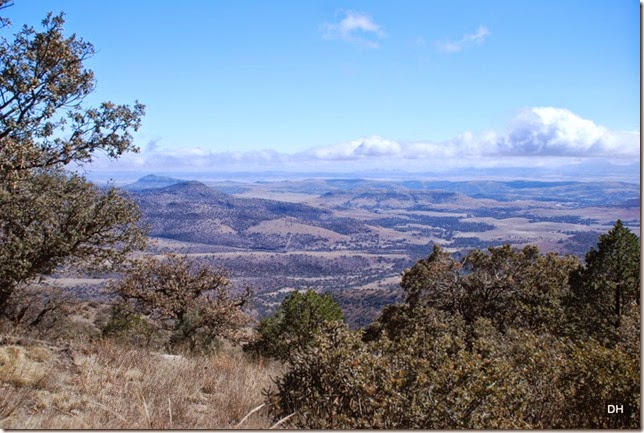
x=105, y=384
x=193, y=212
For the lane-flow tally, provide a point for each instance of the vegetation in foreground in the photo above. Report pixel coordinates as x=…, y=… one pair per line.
x=502, y=339
x=105, y=385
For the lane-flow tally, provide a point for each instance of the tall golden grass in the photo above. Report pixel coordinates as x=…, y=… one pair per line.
x=104, y=384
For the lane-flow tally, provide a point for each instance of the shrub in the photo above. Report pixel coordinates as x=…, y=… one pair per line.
x=130, y=327
x=294, y=324
x=192, y=301
x=40, y=310
x=426, y=380
x=437, y=372
x=597, y=376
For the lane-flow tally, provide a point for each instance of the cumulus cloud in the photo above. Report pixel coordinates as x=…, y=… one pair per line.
x=356, y=28
x=159, y=158
x=467, y=40
x=537, y=131
x=378, y=148
x=540, y=135
x=559, y=132
x=374, y=146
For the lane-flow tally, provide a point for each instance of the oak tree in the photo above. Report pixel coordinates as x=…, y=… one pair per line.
x=43, y=121
x=192, y=301
x=49, y=216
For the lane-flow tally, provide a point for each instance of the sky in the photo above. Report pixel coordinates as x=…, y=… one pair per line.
x=345, y=86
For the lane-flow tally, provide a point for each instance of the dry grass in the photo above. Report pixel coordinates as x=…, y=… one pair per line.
x=104, y=385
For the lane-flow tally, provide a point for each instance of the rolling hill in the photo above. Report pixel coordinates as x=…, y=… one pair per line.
x=354, y=237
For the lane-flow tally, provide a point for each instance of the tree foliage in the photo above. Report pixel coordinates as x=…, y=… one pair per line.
x=4, y=21
x=54, y=218
x=609, y=283
x=43, y=122
x=295, y=323
x=192, y=301
x=484, y=342
x=508, y=286
x=47, y=216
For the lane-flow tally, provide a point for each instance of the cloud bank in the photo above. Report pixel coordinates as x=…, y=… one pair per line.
x=356, y=28
x=536, y=136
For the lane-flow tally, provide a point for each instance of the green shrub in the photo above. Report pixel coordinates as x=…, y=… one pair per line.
x=425, y=380
x=429, y=378
x=597, y=376
x=294, y=324
x=132, y=328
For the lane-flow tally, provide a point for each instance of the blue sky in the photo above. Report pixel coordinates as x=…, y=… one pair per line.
x=415, y=85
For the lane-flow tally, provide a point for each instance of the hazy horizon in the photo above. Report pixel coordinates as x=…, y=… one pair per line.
x=127, y=177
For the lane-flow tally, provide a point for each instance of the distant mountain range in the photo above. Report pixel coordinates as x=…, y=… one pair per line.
x=192, y=211
x=579, y=193
x=152, y=181
x=589, y=170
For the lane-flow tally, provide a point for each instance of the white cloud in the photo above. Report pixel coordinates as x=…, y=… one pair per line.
x=362, y=148
x=559, y=132
x=537, y=131
x=538, y=135
x=467, y=40
x=356, y=28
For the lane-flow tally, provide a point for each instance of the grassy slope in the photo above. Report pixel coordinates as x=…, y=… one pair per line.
x=104, y=385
